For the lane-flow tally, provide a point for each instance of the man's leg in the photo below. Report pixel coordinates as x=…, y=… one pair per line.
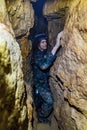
x=47, y=105
x=37, y=99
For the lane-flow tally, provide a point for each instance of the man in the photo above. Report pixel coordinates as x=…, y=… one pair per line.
x=42, y=61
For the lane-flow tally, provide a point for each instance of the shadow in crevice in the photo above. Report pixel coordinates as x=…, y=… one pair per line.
x=40, y=22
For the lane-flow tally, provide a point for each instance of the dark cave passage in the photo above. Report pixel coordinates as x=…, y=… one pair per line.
x=40, y=21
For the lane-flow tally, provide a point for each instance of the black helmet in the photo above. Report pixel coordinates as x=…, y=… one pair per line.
x=39, y=37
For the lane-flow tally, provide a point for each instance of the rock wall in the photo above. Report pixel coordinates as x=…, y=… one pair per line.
x=55, y=12
x=14, y=114
x=13, y=110
x=21, y=16
x=69, y=73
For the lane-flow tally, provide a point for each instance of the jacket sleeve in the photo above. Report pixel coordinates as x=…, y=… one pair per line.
x=45, y=62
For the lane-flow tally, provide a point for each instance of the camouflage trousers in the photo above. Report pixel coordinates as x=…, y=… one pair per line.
x=44, y=101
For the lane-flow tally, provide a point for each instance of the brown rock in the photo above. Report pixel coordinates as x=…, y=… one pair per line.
x=69, y=73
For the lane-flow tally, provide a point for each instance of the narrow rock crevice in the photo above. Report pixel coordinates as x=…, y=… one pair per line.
x=20, y=21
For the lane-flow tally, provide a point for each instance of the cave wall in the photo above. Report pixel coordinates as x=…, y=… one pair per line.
x=56, y=22
x=15, y=109
x=69, y=72
x=12, y=91
x=21, y=16
x=55, y=13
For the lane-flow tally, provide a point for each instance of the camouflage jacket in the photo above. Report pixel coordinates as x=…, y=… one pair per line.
x=42, y=63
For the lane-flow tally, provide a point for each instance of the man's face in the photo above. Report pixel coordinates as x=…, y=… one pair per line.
x=43, y=45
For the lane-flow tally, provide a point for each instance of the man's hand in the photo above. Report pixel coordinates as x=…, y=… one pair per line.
x=58, y=42
x=58, y=39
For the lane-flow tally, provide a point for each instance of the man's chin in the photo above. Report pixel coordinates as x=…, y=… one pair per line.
x=45, y=48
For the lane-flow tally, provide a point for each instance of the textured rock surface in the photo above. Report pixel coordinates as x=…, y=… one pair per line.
x=21, y=16
x=56, y=23
x=54, y=6
x=14, y=114
x=55, y=12
x=12, y=92
x=3, y=13
x=69, y=73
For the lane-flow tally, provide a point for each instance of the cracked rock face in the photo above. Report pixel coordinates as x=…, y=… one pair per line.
x=13, y=109
x=21, y=16
x=69, y=73
x=12, y=92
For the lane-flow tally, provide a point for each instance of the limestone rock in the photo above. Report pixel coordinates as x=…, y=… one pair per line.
x=55, y=12
x=21, y=16
x=69, y=73
x=13, y=112
x=54, y=6
x=3, y=13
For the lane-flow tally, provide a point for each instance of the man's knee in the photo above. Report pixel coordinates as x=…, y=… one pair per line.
x=47, y=96
x=50, y=100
